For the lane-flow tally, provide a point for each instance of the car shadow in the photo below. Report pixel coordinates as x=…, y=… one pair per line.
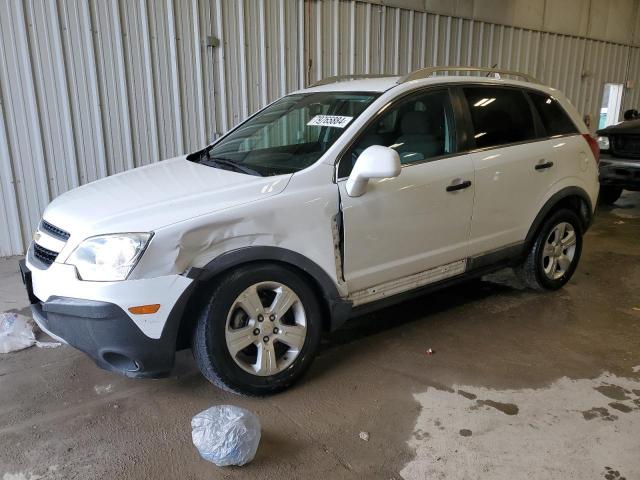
x=420, y=308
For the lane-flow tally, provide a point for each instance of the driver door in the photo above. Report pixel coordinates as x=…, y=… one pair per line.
x=416, y=222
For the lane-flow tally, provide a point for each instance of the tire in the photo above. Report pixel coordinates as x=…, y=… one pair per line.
x=549, y=265
x=279, y=348
x=609, y=195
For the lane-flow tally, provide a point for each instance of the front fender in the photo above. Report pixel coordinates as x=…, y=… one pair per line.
x=337, y=308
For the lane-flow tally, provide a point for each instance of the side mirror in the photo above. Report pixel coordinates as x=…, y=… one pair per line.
x=375, y=162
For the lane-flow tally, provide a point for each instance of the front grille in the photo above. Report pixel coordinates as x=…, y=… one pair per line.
x=625, y=145
x=54, y=231
x=44, y=255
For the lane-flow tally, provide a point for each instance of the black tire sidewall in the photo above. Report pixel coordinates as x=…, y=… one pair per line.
x=216, y=348
x=558, y=217
x=609, y=195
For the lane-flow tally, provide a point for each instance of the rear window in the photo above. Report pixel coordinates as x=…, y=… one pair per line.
x=500, y=116
x=554, y=119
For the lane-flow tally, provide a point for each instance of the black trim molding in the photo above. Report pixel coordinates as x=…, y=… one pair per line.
x=553, y=202
x=339, y=309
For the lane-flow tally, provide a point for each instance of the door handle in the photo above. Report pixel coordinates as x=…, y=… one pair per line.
x=459, y=186
x=543, y=166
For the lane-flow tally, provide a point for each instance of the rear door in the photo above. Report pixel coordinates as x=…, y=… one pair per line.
x=569, y=151
x=513, y=166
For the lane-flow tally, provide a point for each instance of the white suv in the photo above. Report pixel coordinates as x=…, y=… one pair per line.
x=333, y=200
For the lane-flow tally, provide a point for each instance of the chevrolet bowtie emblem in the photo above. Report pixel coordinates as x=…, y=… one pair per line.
x=36, y=236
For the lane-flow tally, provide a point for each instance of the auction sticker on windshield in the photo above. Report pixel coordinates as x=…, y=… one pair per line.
x=337, y=121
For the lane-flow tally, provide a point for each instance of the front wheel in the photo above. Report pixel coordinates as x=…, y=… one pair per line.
x=259, y=331
x=555, y=253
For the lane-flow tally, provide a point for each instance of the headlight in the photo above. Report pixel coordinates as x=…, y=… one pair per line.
x=603, y=142
x=109, y=258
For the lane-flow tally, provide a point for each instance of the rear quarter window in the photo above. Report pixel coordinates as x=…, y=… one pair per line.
x=554, y=118
x=500, y=116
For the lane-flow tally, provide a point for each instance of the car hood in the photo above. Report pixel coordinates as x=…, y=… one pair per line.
x=630, y=126
x=150, y=197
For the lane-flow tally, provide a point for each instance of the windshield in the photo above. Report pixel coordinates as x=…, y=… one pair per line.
x=287, y=136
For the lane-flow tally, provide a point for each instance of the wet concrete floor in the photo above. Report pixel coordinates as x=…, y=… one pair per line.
x=545, y=385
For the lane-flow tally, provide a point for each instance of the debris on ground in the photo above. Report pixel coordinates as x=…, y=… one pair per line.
x=364, y=436
x=226, y=435
x=102, y=389
x=430, y=351
x=618, y=212
x=17, y=332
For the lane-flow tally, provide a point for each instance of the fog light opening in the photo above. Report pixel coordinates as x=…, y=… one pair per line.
x=121, y=362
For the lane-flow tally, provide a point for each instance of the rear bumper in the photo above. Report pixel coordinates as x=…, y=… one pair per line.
x=619, y=172
x=106, y=333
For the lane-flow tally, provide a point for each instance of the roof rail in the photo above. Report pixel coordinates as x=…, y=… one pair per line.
x=341, y=78
x=429, y=71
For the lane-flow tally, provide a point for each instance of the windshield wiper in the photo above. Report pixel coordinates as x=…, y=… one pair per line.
x=228, y=164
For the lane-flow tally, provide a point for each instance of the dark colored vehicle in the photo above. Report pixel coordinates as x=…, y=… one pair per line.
x=619, y=159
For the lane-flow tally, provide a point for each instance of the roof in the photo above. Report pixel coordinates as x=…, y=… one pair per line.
x=382, y=84
x=379, y=84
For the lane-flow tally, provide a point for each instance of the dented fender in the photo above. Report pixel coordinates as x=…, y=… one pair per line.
x=296, y=225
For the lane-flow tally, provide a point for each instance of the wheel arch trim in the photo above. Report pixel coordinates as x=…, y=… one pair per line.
x=337, y=308
x=553, y=202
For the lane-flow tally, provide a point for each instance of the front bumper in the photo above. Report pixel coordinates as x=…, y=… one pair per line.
x=61, y=280
x=619, y=172
x=105, y=332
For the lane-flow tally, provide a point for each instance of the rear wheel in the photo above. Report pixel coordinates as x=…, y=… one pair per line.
x=259, y=331
x=555, y=253
x=609, y=195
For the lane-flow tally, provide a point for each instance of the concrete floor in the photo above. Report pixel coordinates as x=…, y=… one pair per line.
x=521, y=384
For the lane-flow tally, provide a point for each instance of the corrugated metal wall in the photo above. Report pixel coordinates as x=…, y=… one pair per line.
x=357, y=37
x=89, y=88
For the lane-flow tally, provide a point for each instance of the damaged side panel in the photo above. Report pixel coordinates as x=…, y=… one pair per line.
x=336, y=230
x=301, y=218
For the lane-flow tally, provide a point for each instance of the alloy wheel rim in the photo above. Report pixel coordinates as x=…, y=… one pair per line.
x=266, y=328
x=559, y=250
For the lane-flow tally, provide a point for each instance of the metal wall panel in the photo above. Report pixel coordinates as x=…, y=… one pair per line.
x=90, y=88
x=370, y=38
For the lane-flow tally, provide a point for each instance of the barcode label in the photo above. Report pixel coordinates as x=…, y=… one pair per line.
x=337, y=121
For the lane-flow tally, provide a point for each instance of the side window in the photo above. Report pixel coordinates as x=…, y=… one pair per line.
x=554, y=118
x=500, y=116
x=418, y=128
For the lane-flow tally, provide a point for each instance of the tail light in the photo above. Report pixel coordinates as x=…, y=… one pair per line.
x=593, y=145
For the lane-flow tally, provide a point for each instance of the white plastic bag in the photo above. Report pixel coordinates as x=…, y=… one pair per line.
x=226, y=435
x=17, y=333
